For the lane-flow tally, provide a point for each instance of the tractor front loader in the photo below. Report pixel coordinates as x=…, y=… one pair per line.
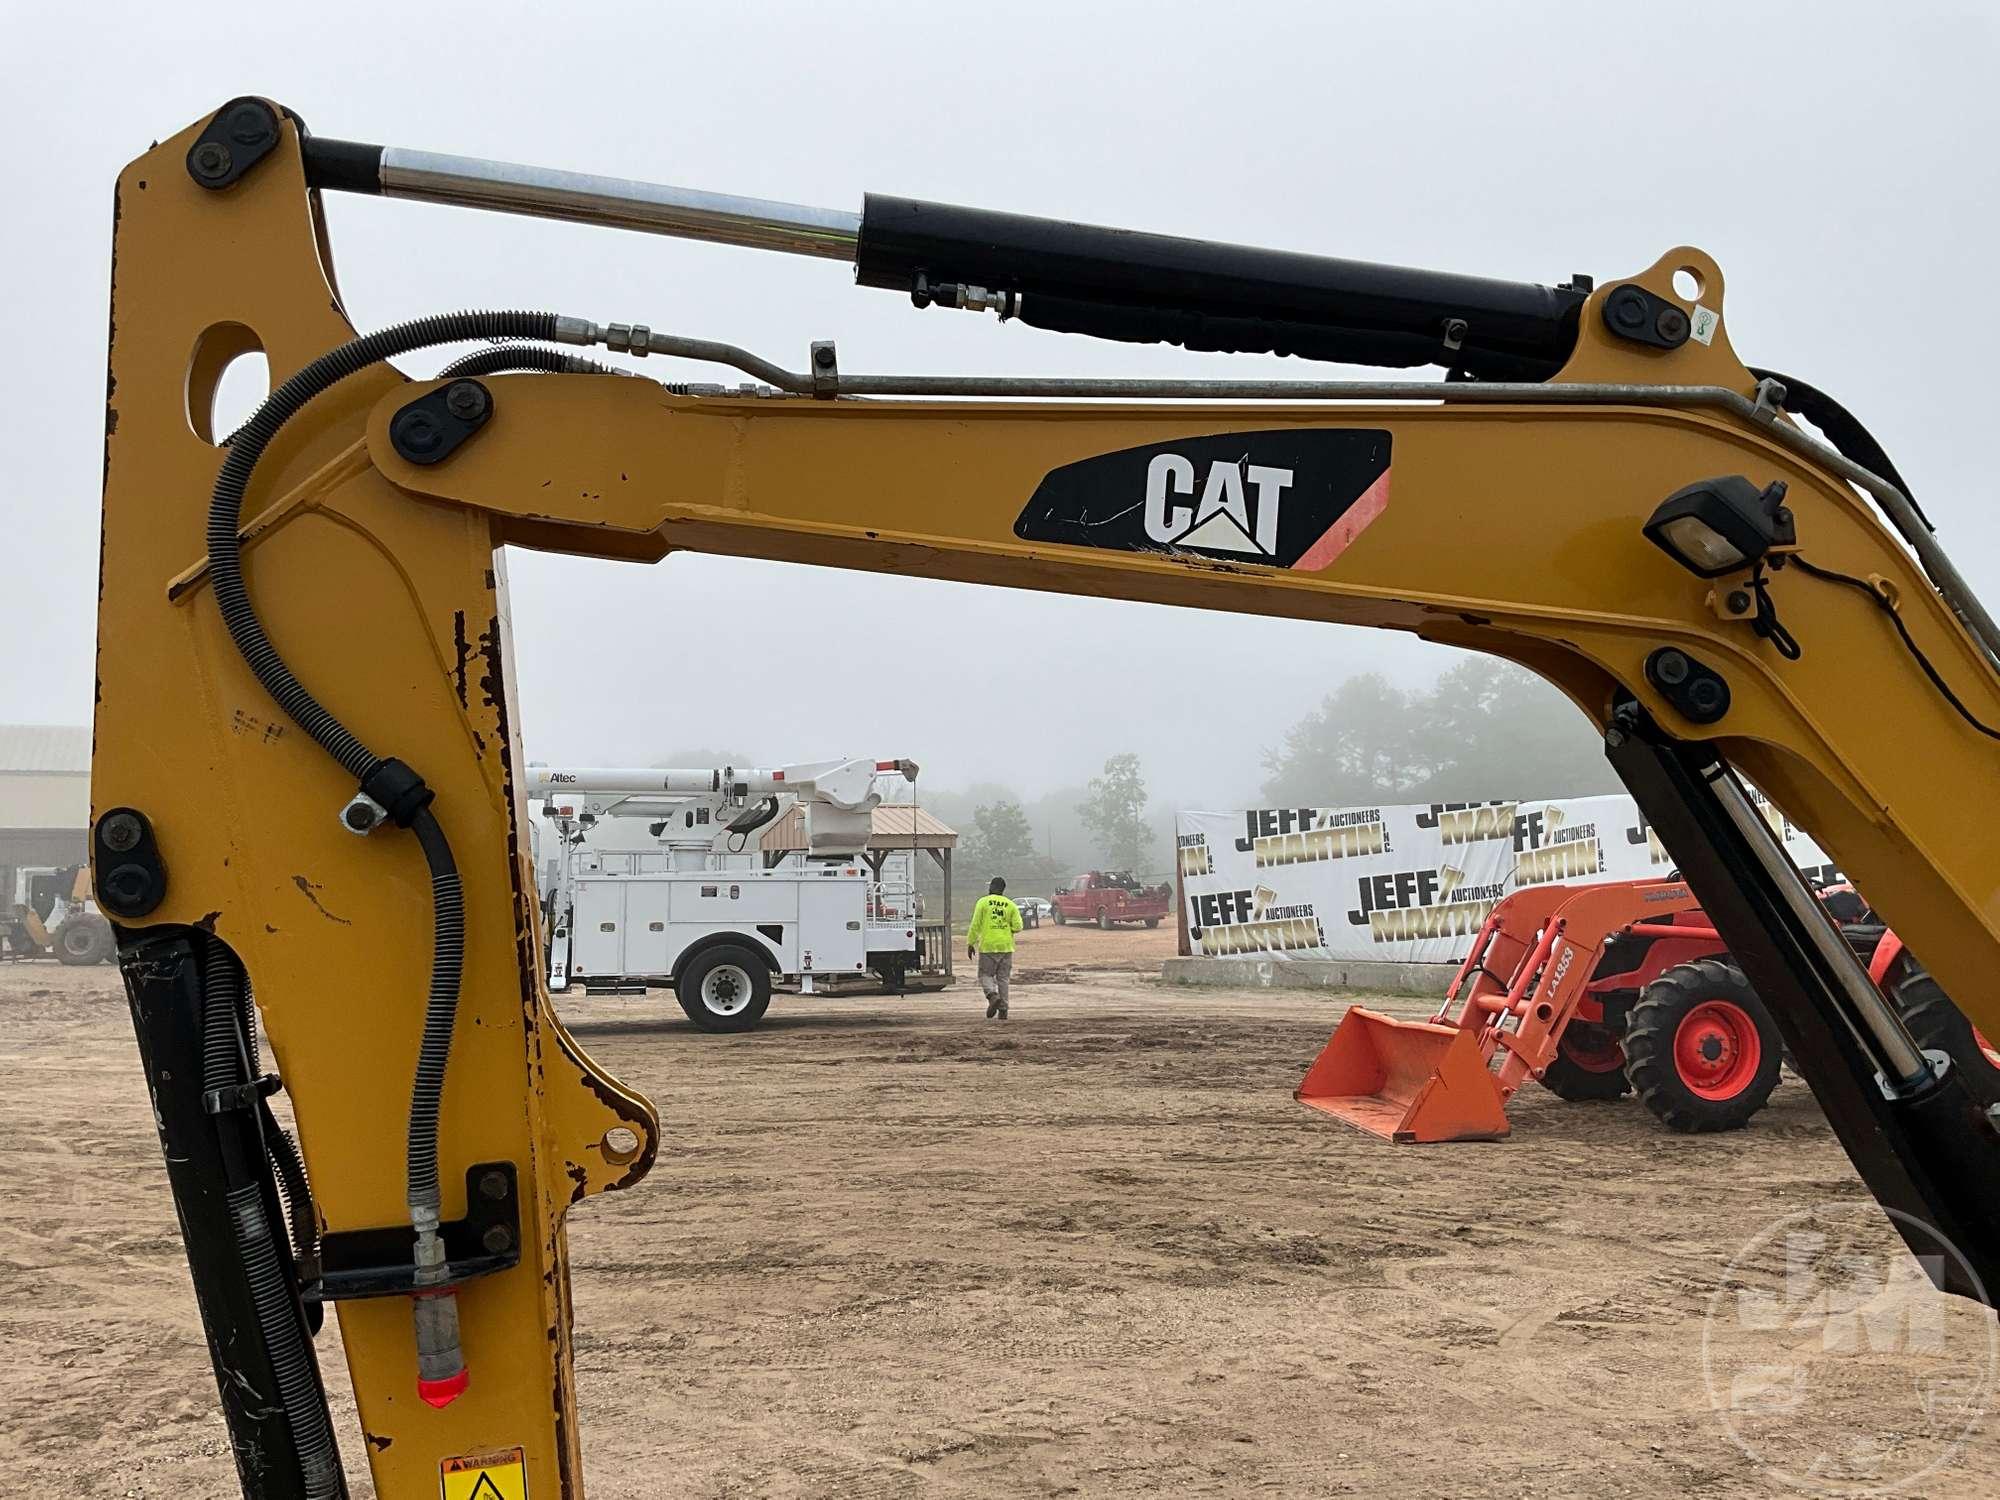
x=1594, y=991
x=1599, y=991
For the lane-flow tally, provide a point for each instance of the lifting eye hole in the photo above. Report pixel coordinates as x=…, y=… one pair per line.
x=1688, y=285
x=620, y=1145
x=228, y=378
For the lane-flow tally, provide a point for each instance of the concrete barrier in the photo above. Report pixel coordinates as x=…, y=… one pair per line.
x=1374, y=976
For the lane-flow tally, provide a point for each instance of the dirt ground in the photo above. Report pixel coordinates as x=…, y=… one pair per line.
x=893, y=1250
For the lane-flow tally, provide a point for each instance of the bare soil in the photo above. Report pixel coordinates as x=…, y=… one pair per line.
x=895, y=1250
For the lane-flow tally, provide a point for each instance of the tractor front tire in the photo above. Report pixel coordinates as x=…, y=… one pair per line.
x=1938, y=1025
x=1701, y=1050
x=1589, y=1065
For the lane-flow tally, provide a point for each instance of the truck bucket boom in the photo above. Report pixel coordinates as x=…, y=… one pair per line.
x=1411, y=1081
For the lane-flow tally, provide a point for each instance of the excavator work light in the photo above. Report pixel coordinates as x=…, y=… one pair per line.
x=1717, y=526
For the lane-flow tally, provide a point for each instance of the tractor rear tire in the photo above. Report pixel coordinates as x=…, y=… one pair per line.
x=84, y=939
x=1589, y=1065
x=1701, y=1050
x=1940, y=1026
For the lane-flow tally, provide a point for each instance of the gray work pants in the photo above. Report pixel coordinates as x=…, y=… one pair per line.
x=995, y=969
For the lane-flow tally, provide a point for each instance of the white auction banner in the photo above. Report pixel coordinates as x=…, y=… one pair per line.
x=1411, y=882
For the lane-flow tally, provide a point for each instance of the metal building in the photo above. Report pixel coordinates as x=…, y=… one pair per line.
x=44, y=795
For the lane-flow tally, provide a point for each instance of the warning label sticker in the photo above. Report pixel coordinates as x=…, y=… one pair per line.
x=485, y=1476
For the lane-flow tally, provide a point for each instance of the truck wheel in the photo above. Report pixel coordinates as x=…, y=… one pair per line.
x=1103, y=921
x=1152, y=921
x=1940, y=1026
x=85, y=939
x=1588, y=1065
x=725, y=988
x=1060, y=918
x=1700, y=1049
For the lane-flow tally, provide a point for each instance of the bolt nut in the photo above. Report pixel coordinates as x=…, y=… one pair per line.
x=120, y=832
x=1738, y=601
x=1671, y=668
x=1705, y=695
x=362, y=815
x=1628, y=308
x=823, y=357
x=493, y=1185
x=1671, y=324
x=212, y=160
x=466, y=400
x=498, y=1239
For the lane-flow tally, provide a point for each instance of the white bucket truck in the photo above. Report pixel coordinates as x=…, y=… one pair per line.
x=691, y=906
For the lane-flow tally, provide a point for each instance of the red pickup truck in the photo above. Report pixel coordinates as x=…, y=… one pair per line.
x=1108, y=896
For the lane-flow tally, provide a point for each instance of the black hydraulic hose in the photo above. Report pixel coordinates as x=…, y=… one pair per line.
x=440, y=1008
x=225, y=512
x=225, y=560
x=526, y=357
x=292, y=1185
x=269, y=1276
x=1843, y=429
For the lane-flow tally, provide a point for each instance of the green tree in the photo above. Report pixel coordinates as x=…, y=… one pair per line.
x=1487, y=729
x=1359, y=746
x=1498, y=730
x=1000, y=839
x=1114, y=810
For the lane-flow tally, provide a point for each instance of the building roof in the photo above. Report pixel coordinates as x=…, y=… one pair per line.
x=45, y=749
x=896, y=825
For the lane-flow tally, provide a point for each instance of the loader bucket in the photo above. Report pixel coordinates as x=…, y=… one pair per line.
x=1405, y=1081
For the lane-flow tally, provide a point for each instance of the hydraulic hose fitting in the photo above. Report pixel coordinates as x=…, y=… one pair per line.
x=441, y=1373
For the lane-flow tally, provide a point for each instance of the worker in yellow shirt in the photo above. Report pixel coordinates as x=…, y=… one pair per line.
x=990, y=939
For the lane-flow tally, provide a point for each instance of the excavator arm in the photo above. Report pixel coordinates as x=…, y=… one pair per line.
x=1552, y=511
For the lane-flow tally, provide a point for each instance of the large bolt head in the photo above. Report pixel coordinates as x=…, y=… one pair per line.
x=129, y=886
x=248, y=125
x=416, y=432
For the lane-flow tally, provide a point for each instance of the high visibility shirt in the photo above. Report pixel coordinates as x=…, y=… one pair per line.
x=995, y=920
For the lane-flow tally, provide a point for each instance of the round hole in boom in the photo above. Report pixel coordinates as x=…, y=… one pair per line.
x=1688, y=284
x=621, y=1144
x=228, y=378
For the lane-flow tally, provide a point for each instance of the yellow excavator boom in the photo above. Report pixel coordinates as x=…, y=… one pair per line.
x=352, y=855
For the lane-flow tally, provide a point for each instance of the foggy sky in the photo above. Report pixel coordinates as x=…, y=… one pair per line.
x=1837, y=160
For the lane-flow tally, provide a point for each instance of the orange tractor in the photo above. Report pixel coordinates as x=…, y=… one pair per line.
x=1597, y=991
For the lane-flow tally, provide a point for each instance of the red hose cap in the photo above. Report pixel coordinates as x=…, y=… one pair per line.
x=442, y=1393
